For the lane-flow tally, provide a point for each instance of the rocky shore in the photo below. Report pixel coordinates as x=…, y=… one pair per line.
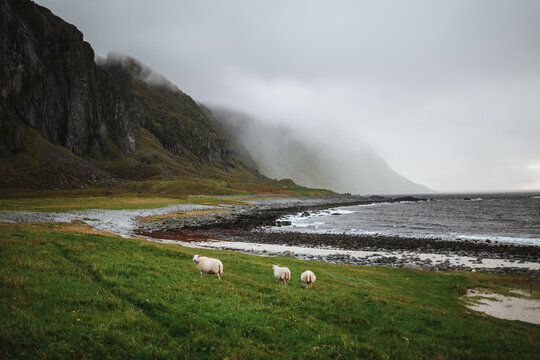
x=261, y=213
x=243, y=229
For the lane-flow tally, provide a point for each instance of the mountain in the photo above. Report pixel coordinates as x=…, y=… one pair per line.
x=70, y=120
x=281, y=153
x=67, y=121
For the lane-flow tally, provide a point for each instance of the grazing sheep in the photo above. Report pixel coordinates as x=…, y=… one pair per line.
x=308, y=278
x=208, y=265
x=282, y=273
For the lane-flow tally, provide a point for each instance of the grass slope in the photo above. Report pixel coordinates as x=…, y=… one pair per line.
x=149, y=194
x=66, y=294
x=43, y=165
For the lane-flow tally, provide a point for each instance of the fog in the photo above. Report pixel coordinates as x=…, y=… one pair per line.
x=137, y=69
x=280, y=152
x=447, y=92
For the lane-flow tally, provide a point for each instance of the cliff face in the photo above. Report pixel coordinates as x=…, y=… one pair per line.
x=66, y=121
x=173, y=117
x=49, y=81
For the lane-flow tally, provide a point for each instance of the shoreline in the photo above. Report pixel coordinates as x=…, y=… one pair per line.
x=516, y=260
x=245, y=229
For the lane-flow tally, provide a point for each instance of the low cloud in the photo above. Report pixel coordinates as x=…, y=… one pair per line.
x=137, y=69
x=446, y=92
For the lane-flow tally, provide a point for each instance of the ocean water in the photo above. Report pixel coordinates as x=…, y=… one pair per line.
x=511, y=218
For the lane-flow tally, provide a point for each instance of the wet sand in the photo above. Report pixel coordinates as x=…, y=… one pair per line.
x=505, y=307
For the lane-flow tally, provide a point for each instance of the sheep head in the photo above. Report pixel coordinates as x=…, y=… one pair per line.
x=195, y=258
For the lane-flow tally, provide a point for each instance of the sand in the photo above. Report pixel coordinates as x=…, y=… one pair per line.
x=505, y=307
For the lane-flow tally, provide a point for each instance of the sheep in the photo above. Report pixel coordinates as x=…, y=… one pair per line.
x=282, y=273
x=208, y=265
x=308, y=278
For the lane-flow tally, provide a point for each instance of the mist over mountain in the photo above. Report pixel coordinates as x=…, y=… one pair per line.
x=283, y=152
x=68, y=119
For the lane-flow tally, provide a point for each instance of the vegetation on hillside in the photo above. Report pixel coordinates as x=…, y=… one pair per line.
x=67, y=122
x=71, y=294
x=149, y=194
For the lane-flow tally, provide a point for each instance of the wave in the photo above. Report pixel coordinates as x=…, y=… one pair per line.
x=506, y=239
x=500, y=220
x=305, y=228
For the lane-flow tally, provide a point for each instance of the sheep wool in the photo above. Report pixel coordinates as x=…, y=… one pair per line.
x=208, y=265
x=308, y=278
x=282, y=273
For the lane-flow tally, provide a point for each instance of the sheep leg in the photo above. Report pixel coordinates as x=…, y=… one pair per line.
x=201, y=274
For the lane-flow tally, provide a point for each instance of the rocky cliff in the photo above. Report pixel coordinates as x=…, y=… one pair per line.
x=49, y=82
x=67, y=121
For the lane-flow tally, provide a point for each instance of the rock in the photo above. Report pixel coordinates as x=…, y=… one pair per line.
x=428, y=267
x=305, y=214
x=67, y=97
x=412, y=266
x=54, y=93
x=288, y=253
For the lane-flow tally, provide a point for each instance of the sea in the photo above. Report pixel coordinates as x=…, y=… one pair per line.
x=503, y=218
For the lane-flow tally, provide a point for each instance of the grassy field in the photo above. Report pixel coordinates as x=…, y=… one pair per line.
x=148, y=194
x=69, y=294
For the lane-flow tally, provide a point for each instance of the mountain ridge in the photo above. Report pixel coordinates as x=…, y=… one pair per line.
x=92, y=123
x=70, y=119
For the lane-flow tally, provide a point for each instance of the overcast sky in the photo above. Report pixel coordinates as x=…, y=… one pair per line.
x=448, y=92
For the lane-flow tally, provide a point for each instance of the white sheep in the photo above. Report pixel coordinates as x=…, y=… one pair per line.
x=208, y=265
x=308, y=278
x=282, y=273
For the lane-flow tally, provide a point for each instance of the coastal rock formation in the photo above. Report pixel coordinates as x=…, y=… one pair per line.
x=67, y=121
x=49, y=82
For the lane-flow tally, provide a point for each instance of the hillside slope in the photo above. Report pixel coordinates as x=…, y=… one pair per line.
x=66, y=121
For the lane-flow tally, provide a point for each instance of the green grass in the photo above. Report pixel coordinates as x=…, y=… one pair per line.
x=75, y=295
x=149, y=194
x=83, y=203
x=66, y=203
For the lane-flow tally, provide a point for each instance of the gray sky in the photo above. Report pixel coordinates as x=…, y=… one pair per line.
x=448, y=92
